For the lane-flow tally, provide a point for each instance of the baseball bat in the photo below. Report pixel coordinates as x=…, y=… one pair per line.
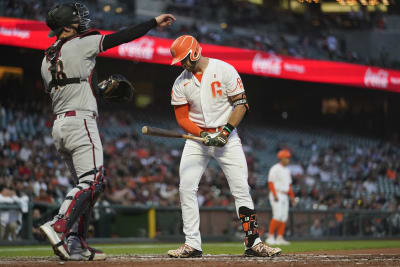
x=154, y=131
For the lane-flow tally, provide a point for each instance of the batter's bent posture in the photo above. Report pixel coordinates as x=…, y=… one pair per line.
x=69, y=78
x=209, y=101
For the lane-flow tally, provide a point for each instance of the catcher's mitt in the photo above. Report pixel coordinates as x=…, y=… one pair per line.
x=116, y=89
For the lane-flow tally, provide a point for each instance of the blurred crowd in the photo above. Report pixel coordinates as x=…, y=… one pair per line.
x=239, y=24
x=141, y=171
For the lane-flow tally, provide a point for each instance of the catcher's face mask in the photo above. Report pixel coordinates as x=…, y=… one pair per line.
x=69, y=14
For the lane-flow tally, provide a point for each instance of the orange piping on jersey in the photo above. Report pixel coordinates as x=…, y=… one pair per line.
x=182, y=117
x=198, y=76
x=291, y=194
x=271, y=187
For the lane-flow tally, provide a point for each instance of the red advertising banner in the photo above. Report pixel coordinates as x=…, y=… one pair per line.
x=33, y=34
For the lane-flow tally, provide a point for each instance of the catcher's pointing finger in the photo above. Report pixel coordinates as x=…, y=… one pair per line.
x=165, y=20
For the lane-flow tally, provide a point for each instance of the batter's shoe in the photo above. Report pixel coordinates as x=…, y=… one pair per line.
x=58, y=244
x=185, y=251
x=281, y=241
x=79, y=252
x=262, y=250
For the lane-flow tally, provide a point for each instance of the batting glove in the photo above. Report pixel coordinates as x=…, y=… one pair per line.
x=206, y=136
x=222, y=138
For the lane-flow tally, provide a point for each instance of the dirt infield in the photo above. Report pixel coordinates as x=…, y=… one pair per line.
x=381, y=257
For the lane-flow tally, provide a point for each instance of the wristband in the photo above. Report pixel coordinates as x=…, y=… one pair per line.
x=227, y=130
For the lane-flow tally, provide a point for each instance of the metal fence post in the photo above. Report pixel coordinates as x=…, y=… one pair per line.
x=30, y=220
x=292, y=222
x=152, y=222
x=344, y=232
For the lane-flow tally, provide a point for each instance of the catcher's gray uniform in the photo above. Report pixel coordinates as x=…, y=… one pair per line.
x=75, y=129
x=68, y=74
x=77, y=59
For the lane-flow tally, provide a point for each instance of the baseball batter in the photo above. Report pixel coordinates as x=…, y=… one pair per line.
x=280, y=189
x=69, y=77
x=209, y=101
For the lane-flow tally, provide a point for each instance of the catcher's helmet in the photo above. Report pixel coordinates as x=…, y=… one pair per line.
x=183, y=46
x=62, y=15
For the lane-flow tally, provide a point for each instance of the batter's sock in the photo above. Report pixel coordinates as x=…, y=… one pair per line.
x=272, y=227
x=281, y=229
x=250, y=226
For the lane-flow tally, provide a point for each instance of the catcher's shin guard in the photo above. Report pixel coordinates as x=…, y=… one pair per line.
x=249, y=224
x=78, y=202
x=81, y=227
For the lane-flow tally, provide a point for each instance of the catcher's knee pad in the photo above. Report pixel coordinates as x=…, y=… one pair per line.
x=249, y=224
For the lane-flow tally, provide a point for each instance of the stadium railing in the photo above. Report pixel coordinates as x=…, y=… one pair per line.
x=217, y=223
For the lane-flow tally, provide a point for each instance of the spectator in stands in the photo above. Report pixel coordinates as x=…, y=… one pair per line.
x=44, y=197
x=316, y=229
x=393, y=221
x=11, y=220
x=333, y=228
x=5, y=227
x=4, y=137
x=332, y=46
x=36, y=216
x=145, y=172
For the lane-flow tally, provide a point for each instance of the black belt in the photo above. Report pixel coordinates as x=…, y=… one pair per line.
x=63, y=82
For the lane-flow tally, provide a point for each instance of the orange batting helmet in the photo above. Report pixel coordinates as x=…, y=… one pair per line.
x=183, y=46
x=284, y=153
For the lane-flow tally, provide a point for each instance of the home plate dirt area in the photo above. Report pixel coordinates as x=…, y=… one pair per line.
x=365, y=257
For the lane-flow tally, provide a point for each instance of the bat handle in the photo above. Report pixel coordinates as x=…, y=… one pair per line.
x=186, y=136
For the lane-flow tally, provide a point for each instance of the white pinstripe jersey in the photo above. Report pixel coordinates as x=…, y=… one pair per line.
x=209, y=100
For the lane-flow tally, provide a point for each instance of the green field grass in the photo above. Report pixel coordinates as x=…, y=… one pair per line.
x=208, y=248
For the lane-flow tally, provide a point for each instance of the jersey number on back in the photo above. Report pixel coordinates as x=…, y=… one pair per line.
x=215, y=86
x=60, y=74
x=60, y=70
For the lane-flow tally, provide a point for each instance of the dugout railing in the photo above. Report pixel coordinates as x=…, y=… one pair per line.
x=217, y=223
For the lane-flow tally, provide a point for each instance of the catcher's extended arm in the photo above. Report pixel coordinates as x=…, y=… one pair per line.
x=116, y=89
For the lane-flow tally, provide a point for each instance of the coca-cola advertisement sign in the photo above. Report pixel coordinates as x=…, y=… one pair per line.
x=267, y=65
x=140, y=49
x=378, y=78
x=294, y=68
x=155, y=50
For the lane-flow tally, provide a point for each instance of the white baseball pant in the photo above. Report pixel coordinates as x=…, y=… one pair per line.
x=280, y=208
x=195, y=158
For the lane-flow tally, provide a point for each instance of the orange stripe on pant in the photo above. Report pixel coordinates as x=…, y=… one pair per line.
x=272, y=226
x=281, y=228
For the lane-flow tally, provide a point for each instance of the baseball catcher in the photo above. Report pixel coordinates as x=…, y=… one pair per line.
x=68, y=72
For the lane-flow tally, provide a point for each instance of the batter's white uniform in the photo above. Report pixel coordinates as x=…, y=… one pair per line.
x=280, y=176
x=75, y=131
x=209, y=108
